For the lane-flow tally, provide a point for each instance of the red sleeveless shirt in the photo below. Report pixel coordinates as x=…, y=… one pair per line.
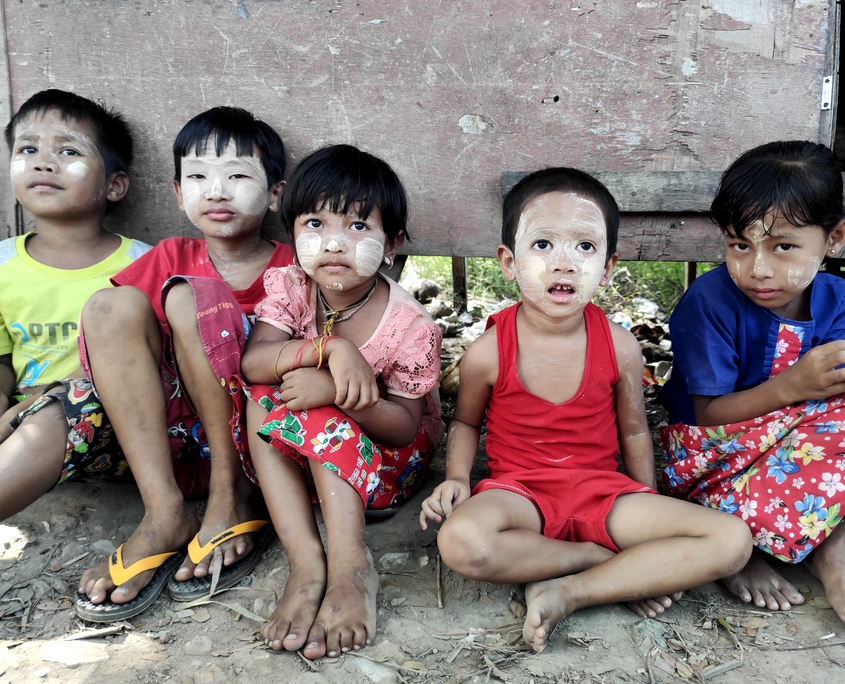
x=525, y=432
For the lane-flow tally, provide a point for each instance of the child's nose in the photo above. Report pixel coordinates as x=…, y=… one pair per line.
x=333, y=245
x=217, y=190
x=761, y=268
x=45, y=163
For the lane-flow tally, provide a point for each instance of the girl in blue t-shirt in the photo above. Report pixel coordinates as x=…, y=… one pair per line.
x=756, y=405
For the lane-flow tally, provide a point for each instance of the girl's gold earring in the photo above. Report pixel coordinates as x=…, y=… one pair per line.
x=388, y=262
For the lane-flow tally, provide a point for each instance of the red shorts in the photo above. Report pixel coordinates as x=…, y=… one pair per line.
x=574, y=503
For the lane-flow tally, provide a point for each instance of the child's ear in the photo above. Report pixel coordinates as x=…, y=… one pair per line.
x=608, y=269
x=117, y=185
x=506, y=262
x=178, y=190
x=275, y=192
x=836, y=239
x=392, y=247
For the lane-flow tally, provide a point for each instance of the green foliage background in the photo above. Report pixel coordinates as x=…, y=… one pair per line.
x=660, y=281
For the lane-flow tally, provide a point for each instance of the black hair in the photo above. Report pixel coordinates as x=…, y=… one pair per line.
x=223, y=124
x=559, y=179
x=340, y=178
x=113, y=138
x=794, y=179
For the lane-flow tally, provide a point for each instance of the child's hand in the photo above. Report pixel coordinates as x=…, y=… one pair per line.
x=815, y=375
x=355, y=384
x=305, y=388
x=445, y=498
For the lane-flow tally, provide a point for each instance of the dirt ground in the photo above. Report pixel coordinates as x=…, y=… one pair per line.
x=434, y=626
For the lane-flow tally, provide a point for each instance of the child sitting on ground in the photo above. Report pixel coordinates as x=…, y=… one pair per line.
x=70, y=163
x=164, y=355
x=562, y=390
x=353, y=360
x=755, y=397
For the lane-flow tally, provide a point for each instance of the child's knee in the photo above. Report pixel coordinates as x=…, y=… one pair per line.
x=465, y=546
x=179, y=302
x=734, y=542
x=113, y=306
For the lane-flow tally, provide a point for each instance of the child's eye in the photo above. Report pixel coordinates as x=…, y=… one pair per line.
x=542, y=245
x=69, y=152
x=785, y=247
x=238, y=176
x=195, y=176
x=586, y=247
x=739, y=247
x=314, y=223
x=27, y=149
x=359, y=226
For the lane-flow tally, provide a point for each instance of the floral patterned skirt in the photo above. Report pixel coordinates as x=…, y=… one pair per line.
x=782, y=473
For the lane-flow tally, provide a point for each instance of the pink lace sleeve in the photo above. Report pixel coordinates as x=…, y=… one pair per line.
x=286, y=304
x=414, y=368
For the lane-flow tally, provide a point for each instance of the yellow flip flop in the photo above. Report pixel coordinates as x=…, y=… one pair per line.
x=197, y=587
x=164, y=564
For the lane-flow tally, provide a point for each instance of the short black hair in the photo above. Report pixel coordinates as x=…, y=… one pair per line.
x=223, y=124
x=794, y=179
x=340, y=178
x=114, y=140
x=559, y=179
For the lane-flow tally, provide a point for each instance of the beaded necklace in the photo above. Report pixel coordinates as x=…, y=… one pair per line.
x=331, y=315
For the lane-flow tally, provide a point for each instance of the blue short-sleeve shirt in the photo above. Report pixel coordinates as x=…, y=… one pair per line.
x=723, y=342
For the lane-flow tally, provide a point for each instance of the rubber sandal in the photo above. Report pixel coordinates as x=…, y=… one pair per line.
x=164, y=564
x=199, y=587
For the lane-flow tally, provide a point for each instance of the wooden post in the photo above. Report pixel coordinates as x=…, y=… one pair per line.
x=689, y=273
x=459, y=283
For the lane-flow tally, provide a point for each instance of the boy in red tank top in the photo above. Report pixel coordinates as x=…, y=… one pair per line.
x=562, y=391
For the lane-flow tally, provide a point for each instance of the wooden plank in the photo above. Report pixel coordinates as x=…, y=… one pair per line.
x=450, y=93
x=650, y=191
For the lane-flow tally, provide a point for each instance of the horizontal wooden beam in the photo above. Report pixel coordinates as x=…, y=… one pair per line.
x=687, y=192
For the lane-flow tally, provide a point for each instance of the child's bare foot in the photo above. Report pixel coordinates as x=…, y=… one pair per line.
x=223, y=511
x=290, y=624
x=827, y=563
x=757, y=582
x=157, y=533
x=547, y=603
x=347, y=617
x=652, y=607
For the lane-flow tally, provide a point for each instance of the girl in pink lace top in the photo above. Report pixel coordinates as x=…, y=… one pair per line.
x=344, y=367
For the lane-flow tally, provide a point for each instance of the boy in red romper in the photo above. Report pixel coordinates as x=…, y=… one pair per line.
x=562, y=391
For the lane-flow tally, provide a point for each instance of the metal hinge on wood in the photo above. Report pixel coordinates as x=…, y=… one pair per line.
x=827, y=92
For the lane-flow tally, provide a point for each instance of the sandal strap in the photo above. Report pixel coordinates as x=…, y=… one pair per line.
x=196, y=552
x=121, y=574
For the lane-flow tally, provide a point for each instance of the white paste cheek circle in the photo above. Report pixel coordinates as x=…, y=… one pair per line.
x=307, y=249
x=17, y=167
x=800, y=278
x=531, y=276
x=251, y=198
x=78, y=169
x=368, y=256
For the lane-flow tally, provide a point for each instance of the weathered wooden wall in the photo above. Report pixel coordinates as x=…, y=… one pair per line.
x=451, y=92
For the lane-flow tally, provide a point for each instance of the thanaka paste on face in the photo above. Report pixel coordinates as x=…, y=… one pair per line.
x=565, y=220
x=16, y=168
x=248, y=196
x=367, y=253
x=78, y=169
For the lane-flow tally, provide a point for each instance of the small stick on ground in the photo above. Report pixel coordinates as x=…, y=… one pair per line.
x=439, y=585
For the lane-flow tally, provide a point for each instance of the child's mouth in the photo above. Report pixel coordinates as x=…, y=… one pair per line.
x=219, y=215
x=562, y=292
